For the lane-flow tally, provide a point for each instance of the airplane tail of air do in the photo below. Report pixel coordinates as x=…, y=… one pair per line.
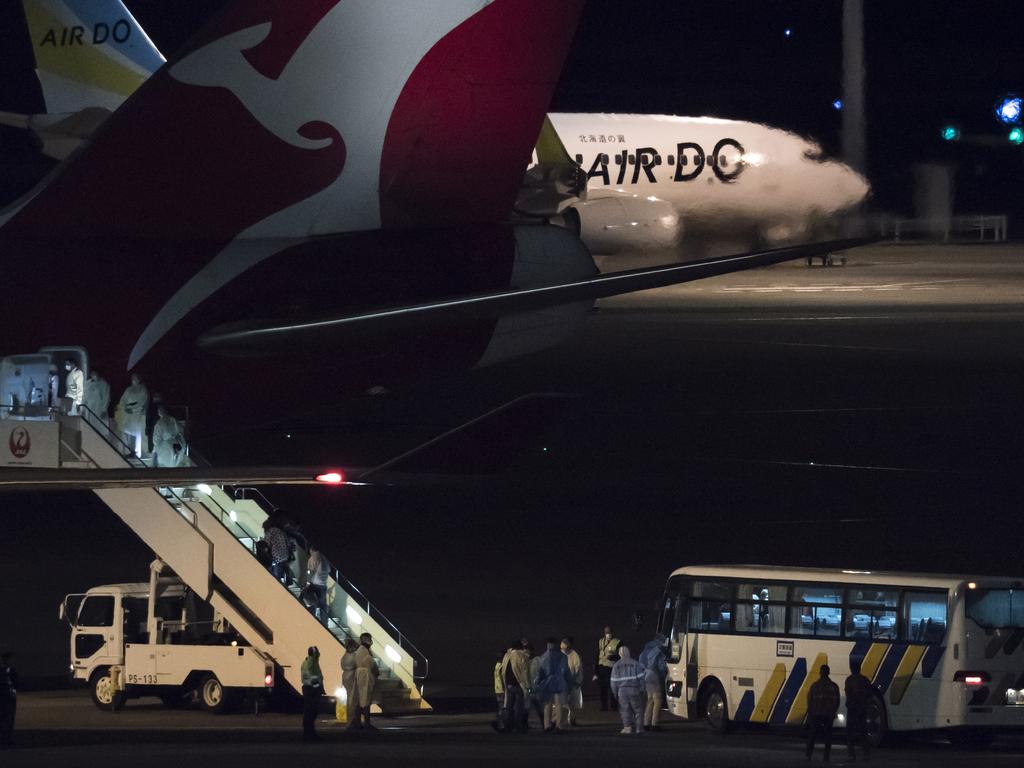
x=88, y=53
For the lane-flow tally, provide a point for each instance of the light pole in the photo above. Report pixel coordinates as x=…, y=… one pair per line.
x=854, y=138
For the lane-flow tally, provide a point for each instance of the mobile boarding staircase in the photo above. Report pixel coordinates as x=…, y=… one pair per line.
x=207, y=536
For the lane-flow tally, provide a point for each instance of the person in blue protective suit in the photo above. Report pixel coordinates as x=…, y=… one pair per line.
x=553, y=683
x=627, y=681
x=652, y=658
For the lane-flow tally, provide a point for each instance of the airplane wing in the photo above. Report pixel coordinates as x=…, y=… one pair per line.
x=279, y=337
x=37, y=479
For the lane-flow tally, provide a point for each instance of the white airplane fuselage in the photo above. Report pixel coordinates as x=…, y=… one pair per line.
x=727, y=180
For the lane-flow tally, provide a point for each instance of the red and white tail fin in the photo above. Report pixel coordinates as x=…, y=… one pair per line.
x=284, y=120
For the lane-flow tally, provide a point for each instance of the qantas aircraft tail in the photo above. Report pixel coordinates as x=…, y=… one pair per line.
x=285, y=119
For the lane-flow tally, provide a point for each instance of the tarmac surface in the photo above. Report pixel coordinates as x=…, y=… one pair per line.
x=866, y=416
x=65, y=729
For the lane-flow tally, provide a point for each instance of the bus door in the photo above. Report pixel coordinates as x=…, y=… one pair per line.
x=672, y=623
x=95, y=635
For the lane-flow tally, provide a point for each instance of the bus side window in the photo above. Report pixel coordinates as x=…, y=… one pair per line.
x=818, y=611
x=712, y=606
x=924, y=616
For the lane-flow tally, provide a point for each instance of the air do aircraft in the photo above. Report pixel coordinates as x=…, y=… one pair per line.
x=660, y=183
x=302, y=194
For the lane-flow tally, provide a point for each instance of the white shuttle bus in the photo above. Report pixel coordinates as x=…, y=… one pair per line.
x=943, y=653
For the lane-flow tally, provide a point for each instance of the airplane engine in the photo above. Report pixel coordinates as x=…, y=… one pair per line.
x=624, y=224
x=544, y=255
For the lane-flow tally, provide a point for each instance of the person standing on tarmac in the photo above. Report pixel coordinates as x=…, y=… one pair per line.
x=515, y=672
x=652, y=658
x=499, y=695
x=312, y=690
x=607, y=649
x=822, y=705
x=553, y=682
x=574, y=698
x=366, y=681
x=348, y=682
x=8, y=699
x=858, y=697
x=627, y=682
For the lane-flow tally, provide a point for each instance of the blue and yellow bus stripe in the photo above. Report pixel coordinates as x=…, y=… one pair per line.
x=798, y=708
x=912, y=656
x=766, y=701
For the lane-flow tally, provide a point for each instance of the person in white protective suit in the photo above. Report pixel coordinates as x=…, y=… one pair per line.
x=74, y=386
x=366, y=681
x=97, y=395
x=574, y=698
x=130, y=414
x=348, y=682
x=168, y=440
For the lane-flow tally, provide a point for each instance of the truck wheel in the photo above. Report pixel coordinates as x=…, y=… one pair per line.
x=715, y=708
x=102, y=688
x=212, y=695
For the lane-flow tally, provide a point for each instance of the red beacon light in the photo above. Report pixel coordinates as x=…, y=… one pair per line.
x=268, y=680
x=331, y=478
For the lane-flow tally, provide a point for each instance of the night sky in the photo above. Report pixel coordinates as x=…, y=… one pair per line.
x=928, y=63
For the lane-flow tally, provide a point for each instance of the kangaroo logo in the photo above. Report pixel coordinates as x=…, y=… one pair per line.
x=19, y=442
x=275, y=103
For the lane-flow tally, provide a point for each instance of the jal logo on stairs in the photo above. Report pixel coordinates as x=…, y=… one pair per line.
x=19, y=442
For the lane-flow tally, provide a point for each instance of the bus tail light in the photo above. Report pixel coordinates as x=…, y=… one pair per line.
x=972, y=678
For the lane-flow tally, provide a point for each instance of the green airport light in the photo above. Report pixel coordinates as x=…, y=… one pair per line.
x=950, y=133
x=1016, y=136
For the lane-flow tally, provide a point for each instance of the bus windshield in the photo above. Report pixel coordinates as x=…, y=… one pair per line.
x=996, y=608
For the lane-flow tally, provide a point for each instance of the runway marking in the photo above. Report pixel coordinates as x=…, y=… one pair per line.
x=931, y=285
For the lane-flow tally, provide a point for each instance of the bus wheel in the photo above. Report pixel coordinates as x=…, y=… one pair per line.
x=102, y=688
x=212, y=695
x=715, y=707
x=877, y=721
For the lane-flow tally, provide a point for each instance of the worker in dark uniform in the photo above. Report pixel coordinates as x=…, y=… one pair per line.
x=312, y=690
x=8, y=699
x=858, y=697
x=822, y=705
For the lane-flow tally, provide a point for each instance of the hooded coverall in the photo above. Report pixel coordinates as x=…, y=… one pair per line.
x=627, y=680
